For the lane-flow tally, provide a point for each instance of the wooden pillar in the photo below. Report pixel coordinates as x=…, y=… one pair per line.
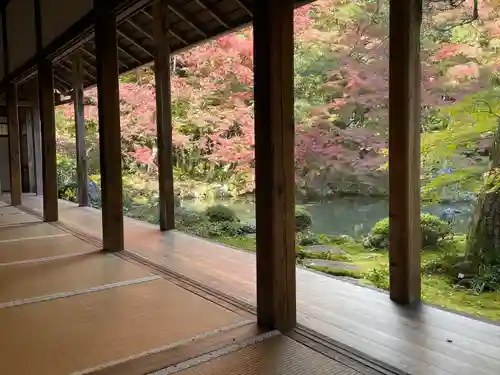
x=48, y=125
x=274, y=163
x=37, y=140
x=81, y=151
x=14, y=146
x=27, y=157
x=164, y=116
x=404, y=151
x=109, y=129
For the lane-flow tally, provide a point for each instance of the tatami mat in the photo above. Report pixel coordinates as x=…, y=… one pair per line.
x=18, y=282
x=30, y=230
x=279, y=355
x=71, y=334
x=24, y=250
x=11, y=215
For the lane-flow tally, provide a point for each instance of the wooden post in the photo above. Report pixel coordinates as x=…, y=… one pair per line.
x=48, y=125
x=13, y=123
x=404, y=151
x=81, y=152
x=37, y=140
x=30, y=149
x=109, y=128
x=274, y=163
x=164, y=116
x=14, y=146
x=27, y=161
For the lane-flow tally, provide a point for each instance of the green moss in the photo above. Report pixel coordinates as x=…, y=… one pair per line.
x=242, y=242
x=337, y=272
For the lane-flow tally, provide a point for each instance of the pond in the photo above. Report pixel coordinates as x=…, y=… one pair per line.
x=354, y=216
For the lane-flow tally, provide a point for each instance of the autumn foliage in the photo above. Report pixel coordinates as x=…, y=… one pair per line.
x=341, y=98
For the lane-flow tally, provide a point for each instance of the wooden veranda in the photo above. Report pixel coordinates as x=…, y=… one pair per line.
x=66, y=306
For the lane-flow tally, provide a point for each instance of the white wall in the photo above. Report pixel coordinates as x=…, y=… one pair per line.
x=53, y=24
x=20, y=32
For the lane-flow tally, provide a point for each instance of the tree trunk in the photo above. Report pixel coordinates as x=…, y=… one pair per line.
x=483, y=241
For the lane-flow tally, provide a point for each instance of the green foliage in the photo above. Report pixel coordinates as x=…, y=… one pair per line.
x=433, y=231
x=435, y=120
x=303, y=219
x=220, y=213
x=379, y=277
x=378, y=238
x=67, y=192
x=66, y=170
x=487, y=279
x=308, y=238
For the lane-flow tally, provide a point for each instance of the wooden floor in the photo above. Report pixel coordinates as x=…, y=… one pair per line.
x=66, y=307
x=425, y=340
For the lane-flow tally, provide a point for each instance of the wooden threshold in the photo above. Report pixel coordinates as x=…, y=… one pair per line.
x=173, y=355
x=276, y=355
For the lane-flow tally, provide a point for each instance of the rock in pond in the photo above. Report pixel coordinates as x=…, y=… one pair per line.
x=318, y=249
x=330, y=264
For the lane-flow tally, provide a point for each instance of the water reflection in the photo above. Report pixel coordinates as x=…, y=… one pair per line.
x=354, y=216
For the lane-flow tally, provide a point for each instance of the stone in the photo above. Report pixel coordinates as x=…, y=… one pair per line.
x=331, y=264
x=249, y=228
x=93, y=191
x=317, y=249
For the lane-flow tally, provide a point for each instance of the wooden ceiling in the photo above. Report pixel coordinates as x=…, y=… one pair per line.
x=191, y=22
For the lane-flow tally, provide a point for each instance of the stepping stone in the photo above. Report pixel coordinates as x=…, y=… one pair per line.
x=331, y=264
x=314, y=249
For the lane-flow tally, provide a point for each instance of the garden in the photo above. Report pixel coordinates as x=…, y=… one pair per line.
x=341, y=113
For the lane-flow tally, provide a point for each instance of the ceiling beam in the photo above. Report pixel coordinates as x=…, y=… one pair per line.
x=132, y=41
x=170, y=31
x=213, y=13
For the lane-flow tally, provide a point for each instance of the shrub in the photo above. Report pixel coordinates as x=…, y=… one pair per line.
x=67, y=192
x=433, y=231
x=379, y=277
x=303, y=220
x=220, y=213
x=307, y=239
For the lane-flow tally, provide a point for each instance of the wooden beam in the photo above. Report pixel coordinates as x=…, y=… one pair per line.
x=213, y=13
x=164, y=116
x=186, y=19
x=91, y=55
x=243, y=6
x=14, y=146
x=171, y=32
x=274, y=163
x=129, y=54
x=404, y=151
x=132, y=41
x=81, y=150
x=48, y=125
x=109, y=128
